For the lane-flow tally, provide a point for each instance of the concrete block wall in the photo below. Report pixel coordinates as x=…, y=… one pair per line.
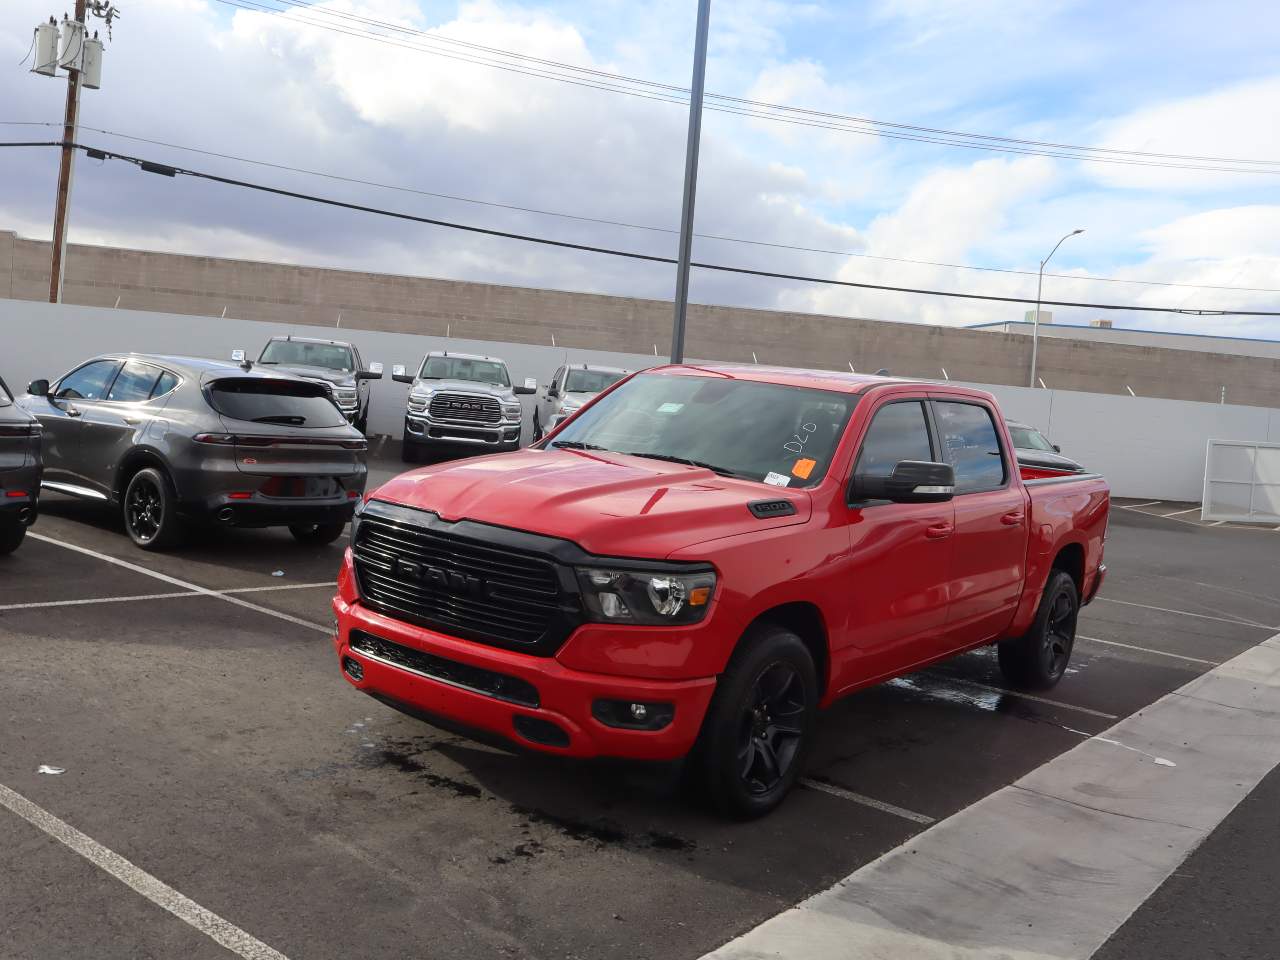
x=285, y=294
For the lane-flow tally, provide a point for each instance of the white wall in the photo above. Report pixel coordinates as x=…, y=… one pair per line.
x=1145, y=447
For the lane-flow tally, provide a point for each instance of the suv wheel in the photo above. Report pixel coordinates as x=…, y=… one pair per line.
x=759, y=727
x=11, y=536
x=317, y=534
x=1038, y=659
x=150, y=510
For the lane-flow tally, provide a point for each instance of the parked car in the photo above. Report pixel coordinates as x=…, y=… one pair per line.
x=20, y=467
x=332, y=362
x=572, y=388
x=1036, y=455
x=459, y=398
x=169, y=439
x=656, y=581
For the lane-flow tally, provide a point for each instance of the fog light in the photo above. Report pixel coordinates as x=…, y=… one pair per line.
x=633, y=715
x=639, y=711
x=353, y=668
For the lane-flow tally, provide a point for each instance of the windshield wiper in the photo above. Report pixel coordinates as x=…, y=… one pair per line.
x=576, y=445
x=668, y=458
x=286, y=419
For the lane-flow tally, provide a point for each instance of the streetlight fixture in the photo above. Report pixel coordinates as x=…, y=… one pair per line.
x=1035, y=328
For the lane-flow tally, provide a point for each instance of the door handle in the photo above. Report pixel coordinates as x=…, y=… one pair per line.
x=133, y=421
x=1012, y=519
x=72, y=412
x=939, y=531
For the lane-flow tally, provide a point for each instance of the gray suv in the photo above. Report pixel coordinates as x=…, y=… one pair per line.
x=20, y=467
x=572, y=388
x=458, y=398
x=332, y=362
x=169, y=439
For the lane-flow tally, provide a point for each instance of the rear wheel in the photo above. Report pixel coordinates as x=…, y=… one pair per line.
x=759, y=727
x=317, y=534
x=1038, y=659
x=151, y=510
x=11, y=536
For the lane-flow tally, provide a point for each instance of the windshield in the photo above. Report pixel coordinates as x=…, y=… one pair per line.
x=462, y=368
x=293, y=403
x=299, y=353
x=1025, y=438
x=758, y=431
x=590, y=381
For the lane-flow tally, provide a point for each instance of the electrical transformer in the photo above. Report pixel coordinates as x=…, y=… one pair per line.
x=46, y=44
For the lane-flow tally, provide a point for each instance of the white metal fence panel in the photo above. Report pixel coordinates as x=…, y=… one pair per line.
x=1241, y=482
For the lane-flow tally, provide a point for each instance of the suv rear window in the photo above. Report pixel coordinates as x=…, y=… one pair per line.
x=288, y=403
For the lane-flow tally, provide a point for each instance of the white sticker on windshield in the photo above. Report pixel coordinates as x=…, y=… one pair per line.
x=671, y=408
x=777, y=479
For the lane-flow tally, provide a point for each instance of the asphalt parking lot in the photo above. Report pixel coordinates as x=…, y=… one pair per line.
x=195, y=703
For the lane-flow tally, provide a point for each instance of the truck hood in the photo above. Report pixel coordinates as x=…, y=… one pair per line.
x=466, y=386
x=607, y=503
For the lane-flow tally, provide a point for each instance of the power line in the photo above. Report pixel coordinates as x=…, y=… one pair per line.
x=166, y=170
x=639, y=226
x=357, y=26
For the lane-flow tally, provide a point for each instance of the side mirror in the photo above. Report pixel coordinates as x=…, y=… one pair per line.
x=398, y=374
x=912, y=481
x=38, y=388
x=1056, y=448
x=237, y=356
x=373, y=373
x=526, y=389
x=553, y=390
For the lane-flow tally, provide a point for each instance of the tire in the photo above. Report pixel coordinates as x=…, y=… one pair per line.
x=759, y=728
x=537, y=428
x=1038, y=659
x=410, y=452
x=11, y=536
x=318, y=534
x=150, y=510
x=362, y=423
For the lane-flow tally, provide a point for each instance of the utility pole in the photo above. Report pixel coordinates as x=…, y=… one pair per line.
x=690, y=180
x=72, y=49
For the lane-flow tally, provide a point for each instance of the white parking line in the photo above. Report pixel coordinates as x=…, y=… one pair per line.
x=193, y=587
x=1135, y=506
x=1178, y=513
x=1031, y=696
x=871, y=802
x=1159, y=653
x=1186, y=613
x=1054, y=837
x=158, y=892
x=158, y=596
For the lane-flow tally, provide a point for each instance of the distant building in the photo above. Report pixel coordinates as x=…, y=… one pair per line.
x=1101, y=331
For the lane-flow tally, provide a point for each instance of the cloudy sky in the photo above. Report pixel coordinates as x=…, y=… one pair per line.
x=409, y=108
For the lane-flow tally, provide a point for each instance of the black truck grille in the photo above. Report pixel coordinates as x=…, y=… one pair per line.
x=423, y=573
x=465, y=408
x=501, y=686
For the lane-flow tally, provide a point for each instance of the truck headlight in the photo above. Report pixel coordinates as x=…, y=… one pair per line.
x=655, y=597
x=512, y=411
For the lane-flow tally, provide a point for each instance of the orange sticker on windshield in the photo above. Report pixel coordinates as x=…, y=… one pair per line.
x=803, y=468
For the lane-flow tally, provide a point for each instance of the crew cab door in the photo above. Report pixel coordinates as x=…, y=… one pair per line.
x=989, y=558
x=899, y=554
x=109, y=425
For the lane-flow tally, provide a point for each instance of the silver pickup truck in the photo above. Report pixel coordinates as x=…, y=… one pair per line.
x=461, y=399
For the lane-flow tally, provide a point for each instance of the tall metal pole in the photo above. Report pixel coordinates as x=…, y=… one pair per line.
x=1035, y=327
x=65, y=170
x=690, y=180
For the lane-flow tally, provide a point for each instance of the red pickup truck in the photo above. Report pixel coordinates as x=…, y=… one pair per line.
x=703, y=557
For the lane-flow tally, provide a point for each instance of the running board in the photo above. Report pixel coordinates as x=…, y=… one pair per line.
x=72, y=490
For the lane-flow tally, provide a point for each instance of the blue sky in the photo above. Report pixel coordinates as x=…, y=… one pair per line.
x=1170, y=77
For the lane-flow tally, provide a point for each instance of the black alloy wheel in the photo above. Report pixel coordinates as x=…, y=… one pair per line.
x=1038, y=659
x=11, y=536
x=1060, y=636
x=150, y=510
x=771, y=727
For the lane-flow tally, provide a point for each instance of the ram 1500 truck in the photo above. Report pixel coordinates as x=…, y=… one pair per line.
x=701, y=558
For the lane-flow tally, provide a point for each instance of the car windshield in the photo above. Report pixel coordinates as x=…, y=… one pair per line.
x=299, y=353
x=293, y=403
x=1026, y=438
x=463, y=368
x=756, y=431
x=590, y=381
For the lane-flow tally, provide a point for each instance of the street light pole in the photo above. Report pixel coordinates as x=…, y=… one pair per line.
x=1035, y=328
x=690, y=181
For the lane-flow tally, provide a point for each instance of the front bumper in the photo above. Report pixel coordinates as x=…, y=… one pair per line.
x=564, y=696
x=421, y=428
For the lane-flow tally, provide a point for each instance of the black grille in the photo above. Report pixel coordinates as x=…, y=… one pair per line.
x=488, y=682
x=419, y=571
x=465, y=408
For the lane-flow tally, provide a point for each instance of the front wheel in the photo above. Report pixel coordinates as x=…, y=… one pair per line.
x=11, y=536
x=759, y=727
x=317, y=534
x=151, y=510
x=1038, y=659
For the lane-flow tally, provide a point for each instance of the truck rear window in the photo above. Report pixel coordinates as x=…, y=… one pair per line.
x=766, y=432
x=285, y=402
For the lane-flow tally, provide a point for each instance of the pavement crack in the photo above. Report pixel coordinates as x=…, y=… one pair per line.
x=1110, y=813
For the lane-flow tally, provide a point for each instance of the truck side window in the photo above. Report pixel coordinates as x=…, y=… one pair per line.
x=972, y=446
x=898, y=432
